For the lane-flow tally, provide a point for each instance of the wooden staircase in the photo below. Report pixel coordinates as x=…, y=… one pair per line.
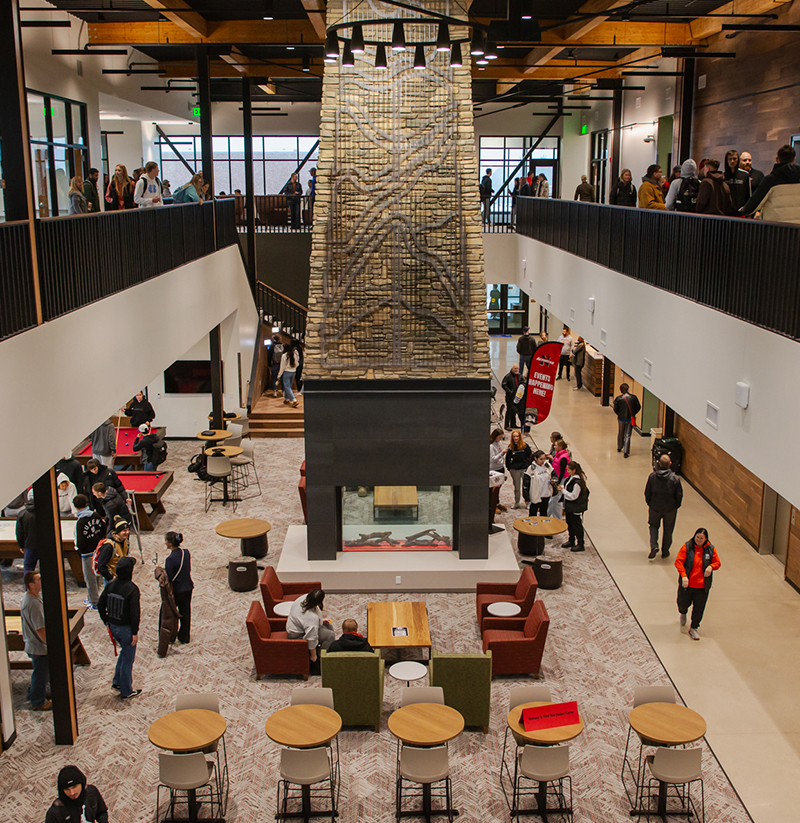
x=272, y=418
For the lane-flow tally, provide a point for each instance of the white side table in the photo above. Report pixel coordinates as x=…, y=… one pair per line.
x=408, y=670
x=283, y=608
x=503, y=609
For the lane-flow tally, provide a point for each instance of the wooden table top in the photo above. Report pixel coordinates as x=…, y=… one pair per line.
x=303, y=726
x=13, y=624
x=393, y=496
x=188, y=730
x=382, y=617
x=540, y=526
x=228, y=416
x=669, y=724
x=224, y=451
x=426, y=724
x=219, y=434
x=559, y=734
x=244, y=527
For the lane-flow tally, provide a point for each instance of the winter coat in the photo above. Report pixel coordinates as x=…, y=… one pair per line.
x=781, y=205
x=104, y=439
x=128, y=613
x=626, y=406
x=688, y=173
x=560, y=463
x=781, y=174
x=738, y=183
x=584, y=193
x=89, y=806
x=350, y=642
x=579, y=355
x=168, y=616
x=622, y=194
x=510, y=385
x=651, y=195
x=115, y=506
x=26, y=527
x=519, y=458
x=714, y=196
x=92, y=196
x=663, y=491
x=526, y=345
x=78, y=204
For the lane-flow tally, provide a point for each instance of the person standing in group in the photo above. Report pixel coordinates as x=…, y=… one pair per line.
x=541, y=186
x=663, y=494
x=738, y=181
x=104, y=443
x=784, y=172
x=191, y=192
x=527, y=187
x=178, y=566
x=293, y=191
x=714, y=196
x=576, y=502
x=542, y=339
x=140, y=411
x=305, y=622
x=497, y=461
x=98, y=473
x=626, y=407
x=112, y=550
x=526, y=348
x=66, y=495
x=90, y=191
x=90, y=530
x=78, y=204
x=290, y=362
x=120, y=611
x=33, y=633
x=755, y=176
x=166, y=191
x=487, y=189
x=682, y=194
x=114, y=506
x=27, y=538
x=147, y=193
x=578, y=360
x=696, y=563
x=561, y=459
x=76, y=802
x=119, y=194
x=566, y=351
x=623, y=192
x=541, y=474
x=585, y=191
x=312, y=193
x=651, y=194
x=514, y=195
x=519, y=456
x=510, y=385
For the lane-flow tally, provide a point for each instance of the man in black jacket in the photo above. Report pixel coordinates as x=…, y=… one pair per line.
x=755, y=175
x=113, y=504
x=90, y=529
x=26, y=535
x=90, y=191
x=144, y=443
x=97, y=473
x=351, y=640
x=664, y=495
x=487, y=190
x=509, y=385
x=626, y=407
x=526, y=347
x=140, y=411
x=119, y=610
x=784, y=171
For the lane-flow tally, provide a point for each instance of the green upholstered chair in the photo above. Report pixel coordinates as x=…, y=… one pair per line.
x=467, y=683
x=357, y=682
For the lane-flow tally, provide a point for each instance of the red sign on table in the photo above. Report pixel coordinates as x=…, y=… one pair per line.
x=550, y=716
x=541, y=382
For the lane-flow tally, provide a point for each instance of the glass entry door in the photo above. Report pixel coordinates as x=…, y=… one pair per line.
x=506, y=309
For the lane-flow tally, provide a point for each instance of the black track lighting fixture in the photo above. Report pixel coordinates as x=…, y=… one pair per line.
x=443, y=38
x=398, y=37
x=419, y=57
x=455, y=55
x=357, y=39
x=380, y=57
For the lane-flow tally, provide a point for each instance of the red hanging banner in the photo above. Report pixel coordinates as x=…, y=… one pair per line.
x=541, y=382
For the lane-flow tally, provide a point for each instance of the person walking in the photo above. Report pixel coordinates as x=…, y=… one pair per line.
x=626, y=407
x=576, y=502
x=275, y=352
x=566, y=351
x=541, y=474
x=519, y=456
x=293, y=191
x=178, y=566
x=120, y=610
x=78, y=204
x=486, y=189
x=663, y=494
x=31, y=615
x=119, y=194
x=290, y=363
x=585, y=191
x=147, y=193
x=90, y=191
x=696, y=563
x=651, y=193
x=305, y=622
x=623, y=192
x=90, y=530
x=76, y=802
x=526, y=347
x=578, y=360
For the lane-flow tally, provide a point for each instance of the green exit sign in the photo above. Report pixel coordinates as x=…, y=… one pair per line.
x=584, y=129
x=51, y=111
x=196, y=111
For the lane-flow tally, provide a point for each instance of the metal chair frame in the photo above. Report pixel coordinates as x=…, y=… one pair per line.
x=445, y=793
x=332, y=793
x=199, y=794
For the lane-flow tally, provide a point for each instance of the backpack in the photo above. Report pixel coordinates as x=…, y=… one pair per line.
x=195, y=463
x=687, y=194
x=179, y=196
x=96, y=555
x=158, y=453
x=484, y=189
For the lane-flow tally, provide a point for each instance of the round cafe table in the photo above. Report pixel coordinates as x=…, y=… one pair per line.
x=532, y=532
x=503, y=609
x=252, y=531
x=283, y=608
x=408, y=670
x=666, y=724
x=426, y=724
x=216, y=434
x=189, y=730
x=223, y=451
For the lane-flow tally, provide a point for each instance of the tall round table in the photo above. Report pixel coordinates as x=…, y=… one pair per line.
x=188, y=730
x=252, y=531
x=532, y=532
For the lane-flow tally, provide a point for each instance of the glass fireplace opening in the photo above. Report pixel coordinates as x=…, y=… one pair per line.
x=397, y=518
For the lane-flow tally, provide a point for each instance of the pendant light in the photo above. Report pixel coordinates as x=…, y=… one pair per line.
x=443, y=38
x=455, y=55
x=357, y=39
x=331, y=47
x=478, y=39
x=398, y=37
x=491, y=51
x=347, y=55
x=419, y=57
x=380, y=57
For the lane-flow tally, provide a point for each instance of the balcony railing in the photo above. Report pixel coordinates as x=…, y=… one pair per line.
x=281, y=311
x=745, y=268
x=84, y=258
x=274, y=212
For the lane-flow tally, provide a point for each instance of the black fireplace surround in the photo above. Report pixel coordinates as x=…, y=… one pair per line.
x=396, y=432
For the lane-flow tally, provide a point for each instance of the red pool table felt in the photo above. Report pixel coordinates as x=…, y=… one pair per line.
x=140, y=481
x=125, y=438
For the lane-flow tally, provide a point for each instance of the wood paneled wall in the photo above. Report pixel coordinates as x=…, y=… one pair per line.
x=792, y=571
x=749, y=103
x=733, y=490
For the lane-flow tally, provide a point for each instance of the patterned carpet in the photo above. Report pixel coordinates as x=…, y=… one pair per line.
x=596, y=654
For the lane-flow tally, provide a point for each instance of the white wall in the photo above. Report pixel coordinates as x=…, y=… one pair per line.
x=125, y=148
x=39, y=368
x=697, y=354
x=304, y=118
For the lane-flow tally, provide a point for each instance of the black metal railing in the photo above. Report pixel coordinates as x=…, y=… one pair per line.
x=17, y=303
x=746, y=268
x=274, y=212
x=281, y=311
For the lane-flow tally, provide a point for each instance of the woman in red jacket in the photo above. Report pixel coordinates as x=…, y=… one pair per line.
x=696, y=562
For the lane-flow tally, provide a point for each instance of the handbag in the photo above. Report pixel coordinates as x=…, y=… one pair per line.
x=633, y=416
x=555, y=506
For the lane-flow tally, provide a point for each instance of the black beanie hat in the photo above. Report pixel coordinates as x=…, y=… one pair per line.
x=71, y=776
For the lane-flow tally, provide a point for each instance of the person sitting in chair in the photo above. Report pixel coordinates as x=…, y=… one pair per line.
x=351, y=640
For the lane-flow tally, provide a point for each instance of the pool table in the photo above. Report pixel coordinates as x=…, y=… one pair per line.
x=9, y=550
x=146, y=487
x=125, y=456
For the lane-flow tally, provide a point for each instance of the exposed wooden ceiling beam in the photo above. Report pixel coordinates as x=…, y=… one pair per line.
x=181, y=14
x=705, y=27
x=576, y=29
x=227, y=31
x=316, y=14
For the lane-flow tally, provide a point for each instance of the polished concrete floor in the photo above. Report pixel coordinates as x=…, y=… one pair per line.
x=742, y=675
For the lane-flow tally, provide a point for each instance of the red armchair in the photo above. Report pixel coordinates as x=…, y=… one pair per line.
x=273, y=591
x=273, y=652
x=517, y=644
x=523, y=593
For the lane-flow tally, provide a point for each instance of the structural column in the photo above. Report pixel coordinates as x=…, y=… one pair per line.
x=687, y=109
x=616, y=136
x=607, y=387
x=215, y=346
x=249, y=181
x=206, y=133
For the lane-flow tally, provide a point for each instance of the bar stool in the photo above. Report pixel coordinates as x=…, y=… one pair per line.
x=424, y=766
x=677, y=767
x=305, y=768
x=188, y=773
x=246, y=462
x=545, y=765
x=209, y=702
x=516, y=697
x=317, y=696
x=219, y=468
